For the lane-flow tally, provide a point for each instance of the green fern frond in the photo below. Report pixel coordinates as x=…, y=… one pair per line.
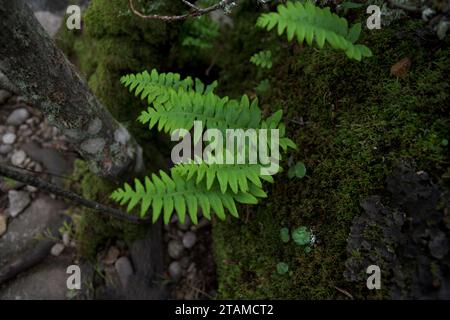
x=176, y=103
x=166, y=194
x=237, y=177
x=184, y=107
x=262, y=59
x=309, y=23
x=156, y=87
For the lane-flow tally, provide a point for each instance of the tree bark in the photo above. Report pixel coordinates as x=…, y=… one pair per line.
x=32, y=65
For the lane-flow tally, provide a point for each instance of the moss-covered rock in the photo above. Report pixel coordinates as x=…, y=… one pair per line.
x=351, y=121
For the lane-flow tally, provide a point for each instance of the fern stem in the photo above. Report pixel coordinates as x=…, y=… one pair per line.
x=75, y=198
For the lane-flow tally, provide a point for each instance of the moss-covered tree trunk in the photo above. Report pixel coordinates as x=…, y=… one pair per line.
x=30, y=64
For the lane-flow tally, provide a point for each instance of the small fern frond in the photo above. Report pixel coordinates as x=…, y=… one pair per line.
x=309, y=23
x=166, y=194
x=262, y=59
x=156, y=87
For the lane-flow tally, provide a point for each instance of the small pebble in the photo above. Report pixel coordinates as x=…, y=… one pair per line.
x=18, y=158
x=175, y=271
x=189, y=240
x=9, y=138
x=17, y=117
x=66, y=239
x=175, y=249
x=124, y=270
x=31, y=189
x=57, y=249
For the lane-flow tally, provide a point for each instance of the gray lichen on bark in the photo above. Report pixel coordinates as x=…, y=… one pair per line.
x=31, y=64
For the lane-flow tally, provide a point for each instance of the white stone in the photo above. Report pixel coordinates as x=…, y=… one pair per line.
x=9, y=138
x=18, y=158
x=189, y=239
x=175, y=249
x=57, y=249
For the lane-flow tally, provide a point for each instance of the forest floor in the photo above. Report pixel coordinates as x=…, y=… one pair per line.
x=37, y=230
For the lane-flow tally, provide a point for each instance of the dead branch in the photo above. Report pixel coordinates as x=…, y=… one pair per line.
x=195, y=11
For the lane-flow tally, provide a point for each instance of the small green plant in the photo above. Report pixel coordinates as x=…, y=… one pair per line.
x=301, y=236
x=297, y=171
x=10, y=183
x=284, y=235
x=317, y=25
x=262, y=59
x=175, y=104
x=66, y=228
x=282, y=268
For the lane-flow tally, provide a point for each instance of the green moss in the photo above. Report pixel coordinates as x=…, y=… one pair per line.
x=358, y=121
x=112, y=43
x=93, y=229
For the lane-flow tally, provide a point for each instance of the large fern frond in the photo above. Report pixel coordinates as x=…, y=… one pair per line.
x=166, y=194
x=309, y=23
x=176, y=103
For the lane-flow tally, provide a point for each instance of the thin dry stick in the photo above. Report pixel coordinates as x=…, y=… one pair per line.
x=196, y=11
x=51, y=188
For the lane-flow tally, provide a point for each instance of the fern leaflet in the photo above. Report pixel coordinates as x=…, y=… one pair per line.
x=309, y=23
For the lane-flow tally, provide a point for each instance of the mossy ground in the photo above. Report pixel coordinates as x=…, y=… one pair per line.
x=358, y=120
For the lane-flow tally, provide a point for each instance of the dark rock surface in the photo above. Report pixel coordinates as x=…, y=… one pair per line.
x=43, y=214
x=407, y=235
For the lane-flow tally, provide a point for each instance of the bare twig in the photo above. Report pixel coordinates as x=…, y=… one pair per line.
x=51, y=188
x=196, y=11
x=190, y=5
